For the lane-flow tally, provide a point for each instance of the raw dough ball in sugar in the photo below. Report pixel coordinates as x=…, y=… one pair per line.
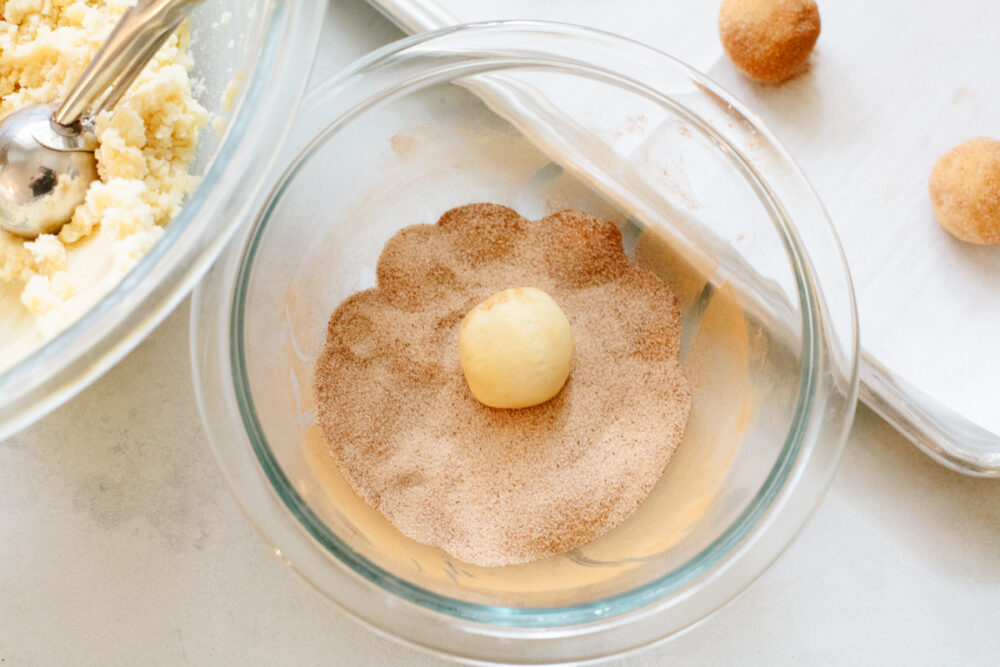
x=965, y=191
x=769, y=40
x=515, y=348
x=499, y=487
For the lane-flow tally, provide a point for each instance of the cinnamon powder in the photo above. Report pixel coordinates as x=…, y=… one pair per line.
x=492, y=486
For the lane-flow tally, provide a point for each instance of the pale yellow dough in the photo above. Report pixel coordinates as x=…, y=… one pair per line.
x=147, y=144
x=515, y=348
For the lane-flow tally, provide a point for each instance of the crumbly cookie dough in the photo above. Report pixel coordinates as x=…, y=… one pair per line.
x=147, y=144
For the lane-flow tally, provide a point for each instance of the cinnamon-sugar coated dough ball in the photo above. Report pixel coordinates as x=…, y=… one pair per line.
x=515, y=348
x=965, y=191
x=769, y=40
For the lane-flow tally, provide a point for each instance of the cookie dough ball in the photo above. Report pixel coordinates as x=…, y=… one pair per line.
x=515, y=348
x=769, y=40
x=965, y=191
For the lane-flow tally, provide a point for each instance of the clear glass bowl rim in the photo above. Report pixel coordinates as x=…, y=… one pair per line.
x=80, y=354
x=510, y=621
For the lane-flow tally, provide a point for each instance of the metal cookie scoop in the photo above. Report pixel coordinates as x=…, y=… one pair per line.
x=47, y=151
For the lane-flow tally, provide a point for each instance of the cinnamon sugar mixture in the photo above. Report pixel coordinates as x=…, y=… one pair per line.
x=492, y=486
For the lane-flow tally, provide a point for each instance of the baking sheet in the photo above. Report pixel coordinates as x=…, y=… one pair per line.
x=892, y=85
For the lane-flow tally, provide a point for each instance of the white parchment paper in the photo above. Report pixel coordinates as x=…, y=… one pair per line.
x=892, y=85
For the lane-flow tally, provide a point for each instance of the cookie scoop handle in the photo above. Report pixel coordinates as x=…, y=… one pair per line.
x=140, y=33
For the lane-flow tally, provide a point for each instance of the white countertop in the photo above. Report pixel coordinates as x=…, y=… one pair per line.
x=120, y=544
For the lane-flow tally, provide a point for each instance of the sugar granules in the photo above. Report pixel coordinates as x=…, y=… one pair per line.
x=491, y=486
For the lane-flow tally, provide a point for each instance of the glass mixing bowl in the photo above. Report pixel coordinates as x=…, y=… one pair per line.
x=703, y=195
x=265, y=49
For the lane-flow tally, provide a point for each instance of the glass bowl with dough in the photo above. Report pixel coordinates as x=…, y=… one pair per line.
x=539, y=118
x=177, y=158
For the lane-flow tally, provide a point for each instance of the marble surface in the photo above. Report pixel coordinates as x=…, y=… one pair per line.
x=120, y=544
